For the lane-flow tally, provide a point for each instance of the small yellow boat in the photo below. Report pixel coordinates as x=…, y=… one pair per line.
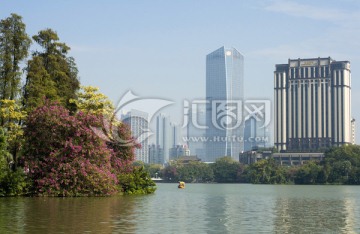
x=181, y=184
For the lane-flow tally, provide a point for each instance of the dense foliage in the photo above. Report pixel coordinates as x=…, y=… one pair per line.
x=51, y=73
x=54, y=139
x=137, y=182
x=14, y=46
x=341, y=166
x=64, y=156
x=12, y=182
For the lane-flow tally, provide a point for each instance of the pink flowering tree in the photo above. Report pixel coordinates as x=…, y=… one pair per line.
x=63, y=155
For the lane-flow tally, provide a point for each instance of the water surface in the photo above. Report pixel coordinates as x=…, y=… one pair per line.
x=199, y=208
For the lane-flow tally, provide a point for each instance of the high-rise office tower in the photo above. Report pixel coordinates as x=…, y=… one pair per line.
x=175, y=134
x=163, y=135
x=139, y=125
x=224, y=96
x=168, y=135
x=312, y=104
x=255, y=132
x=250, y=134
x=196, y=132
x=156, y=154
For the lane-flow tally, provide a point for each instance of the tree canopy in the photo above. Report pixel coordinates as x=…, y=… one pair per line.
x=51, y=73
x=14, y=46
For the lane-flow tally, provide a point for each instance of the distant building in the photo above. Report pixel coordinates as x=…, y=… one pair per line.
x=195, y=131
x=289, y=159
x=224, y=93
x=139, y=125
x=252, y=156
x=167, y=134
x=296, y=158
x=179, y=151
x=255, y=135
x=156, y=154
x=175, y=134
x=353, y=126
x=312, y=104
x=200, y=153
x=163, y=135
x=188, y=159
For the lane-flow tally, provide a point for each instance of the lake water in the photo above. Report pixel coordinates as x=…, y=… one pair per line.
x=199, y=208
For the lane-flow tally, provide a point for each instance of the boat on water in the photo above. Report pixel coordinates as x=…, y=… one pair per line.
x=181, y=185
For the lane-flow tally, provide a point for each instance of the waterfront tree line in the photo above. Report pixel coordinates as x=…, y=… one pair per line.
x=58, y=138
x=340, y=166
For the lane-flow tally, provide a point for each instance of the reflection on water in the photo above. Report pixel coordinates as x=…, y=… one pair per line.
x=309, y=209
x=65, y=215
x=200, y=208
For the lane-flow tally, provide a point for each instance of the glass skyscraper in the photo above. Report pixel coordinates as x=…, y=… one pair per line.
x=224, y=96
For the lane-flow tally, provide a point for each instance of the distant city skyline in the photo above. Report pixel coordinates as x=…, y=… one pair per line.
x=157, y=48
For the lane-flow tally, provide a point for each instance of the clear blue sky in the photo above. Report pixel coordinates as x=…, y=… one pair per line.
x=158, y=48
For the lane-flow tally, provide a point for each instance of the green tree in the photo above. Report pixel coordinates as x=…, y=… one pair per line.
x=342, y=164
x=14, y=46
x=309, y=173
x=11, y=112
x=154, y=170
x=12, y=182
x=90, y=100
x=137, y=182
x=52, y=70
x=170, y=173
x=5, y=157
x=266, y=171
x=39, y=87
x=226, y=170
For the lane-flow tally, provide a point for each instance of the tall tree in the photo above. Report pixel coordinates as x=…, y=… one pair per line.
x=39, y=86
x=90, y=100
x=12, y=113
x=51, y=69
x=14, y=46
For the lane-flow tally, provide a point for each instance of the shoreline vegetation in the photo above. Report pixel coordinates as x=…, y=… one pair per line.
x=341, y=166
x=58, y=138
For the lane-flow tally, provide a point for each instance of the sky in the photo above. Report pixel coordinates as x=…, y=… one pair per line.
x=157, y=48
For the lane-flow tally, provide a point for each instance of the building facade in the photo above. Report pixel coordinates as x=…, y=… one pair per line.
x=312, y=104
x=168, y=135
x=139, y=125
x=178, y=151
x=353, y=126
x=291, y=159
x=195, y=131
x=163, y=135
x=224, y=96
x=255, y=134
x=156, y=154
